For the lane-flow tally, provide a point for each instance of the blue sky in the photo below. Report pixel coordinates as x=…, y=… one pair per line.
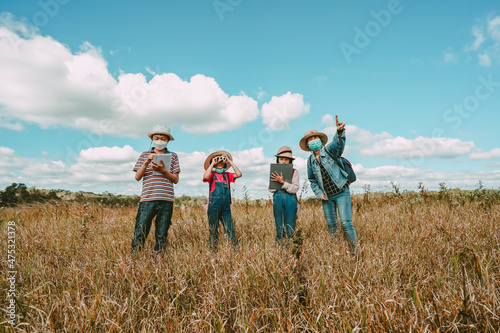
x=82, y=82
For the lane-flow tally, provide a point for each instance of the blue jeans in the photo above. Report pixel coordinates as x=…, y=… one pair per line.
x=145, y=214
x=285, y=211
x=342, y=203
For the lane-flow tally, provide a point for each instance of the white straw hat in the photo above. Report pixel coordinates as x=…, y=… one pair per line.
x=160, y=129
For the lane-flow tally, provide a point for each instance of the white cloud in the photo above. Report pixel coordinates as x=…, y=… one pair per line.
x=494, y=153
x=106, y=154
x=385, y=145
x=25, y=30
x=11, y=126
x=484, y=60
x=109, y=169
x=385, y=172
x=327, y=119
x=450, y=58
x=476, y=31
x=95, y=171
x=126, y=48
x=331, y=126
x=252, y=161
x=320, y=78
x=402, y=148
x=92, y=174
x=81, y=93
x=278, y=113
x=354, y=133
x=6, y=151
x=379, y=178
x=494, y=28
x=487, y=41
x=261, y=94
x=360, y=135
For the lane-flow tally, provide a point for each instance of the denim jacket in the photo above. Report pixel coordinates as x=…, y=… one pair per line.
x=328, y=154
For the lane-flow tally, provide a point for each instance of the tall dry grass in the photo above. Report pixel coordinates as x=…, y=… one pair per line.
x=424, y=263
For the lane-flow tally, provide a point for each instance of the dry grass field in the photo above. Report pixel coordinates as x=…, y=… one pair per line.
x=425, y=262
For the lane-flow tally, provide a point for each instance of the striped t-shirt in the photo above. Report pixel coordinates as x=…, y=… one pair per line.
x=157, y=187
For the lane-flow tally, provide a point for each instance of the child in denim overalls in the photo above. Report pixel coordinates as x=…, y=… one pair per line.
x=219, y=200
x=285, y=199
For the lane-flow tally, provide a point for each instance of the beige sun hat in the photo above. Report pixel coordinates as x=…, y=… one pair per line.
x=160, y=129
x=208, y=161
x=303, y=141
x=285, y=151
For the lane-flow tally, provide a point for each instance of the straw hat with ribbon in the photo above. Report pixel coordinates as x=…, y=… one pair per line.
x=208, y=161
x=285, y=151
x=160, y=129
x=303, y=141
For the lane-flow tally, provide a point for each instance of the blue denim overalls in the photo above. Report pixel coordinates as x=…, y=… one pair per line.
x=219, y=209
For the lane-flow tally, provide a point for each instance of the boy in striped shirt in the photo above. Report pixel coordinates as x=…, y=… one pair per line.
x=157, y=197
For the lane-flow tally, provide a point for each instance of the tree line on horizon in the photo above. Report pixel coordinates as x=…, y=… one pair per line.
x=18, y=194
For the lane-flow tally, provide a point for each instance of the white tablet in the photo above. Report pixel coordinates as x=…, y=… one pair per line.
x=166, y=158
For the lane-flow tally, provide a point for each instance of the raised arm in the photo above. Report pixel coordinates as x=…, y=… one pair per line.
x=336, y=147
x=237, y=172
x=206, y=175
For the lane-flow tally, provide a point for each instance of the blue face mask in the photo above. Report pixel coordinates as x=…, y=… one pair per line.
x=315, y=144
x=219, y=170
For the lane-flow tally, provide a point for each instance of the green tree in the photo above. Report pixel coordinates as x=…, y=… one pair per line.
x=14, y=194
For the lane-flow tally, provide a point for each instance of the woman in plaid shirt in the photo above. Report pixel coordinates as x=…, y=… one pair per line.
x=328, y=181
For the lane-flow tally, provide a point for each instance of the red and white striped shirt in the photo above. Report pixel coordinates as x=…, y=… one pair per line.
x=157, y=187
